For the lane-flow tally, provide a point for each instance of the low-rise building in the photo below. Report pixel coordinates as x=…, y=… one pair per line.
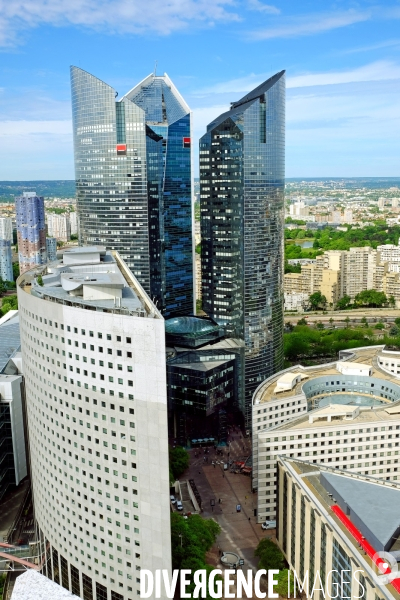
x=345, y=414
x=331, y=525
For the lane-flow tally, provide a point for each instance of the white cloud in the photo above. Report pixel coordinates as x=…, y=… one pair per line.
x=376, y=71
x=260, y=6
x=112, y=16
x=26, y=128
x=311, y=24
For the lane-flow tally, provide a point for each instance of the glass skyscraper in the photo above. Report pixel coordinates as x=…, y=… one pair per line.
x=134, y=184
x=31, y=231
x=242, y=174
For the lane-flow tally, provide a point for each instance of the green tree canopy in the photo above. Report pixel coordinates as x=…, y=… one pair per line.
x=317, y=300
x=370, y=298
x=269, y=554
x=178, y=461
x=343, y=303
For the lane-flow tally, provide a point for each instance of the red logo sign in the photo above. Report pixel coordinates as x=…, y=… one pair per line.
x=121, y=149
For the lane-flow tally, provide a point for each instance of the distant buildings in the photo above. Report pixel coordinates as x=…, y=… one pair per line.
x=73, y=219
x=51, y=248
x=93, y=349
x=6, y=238
x=338, y=273
x=242, y=162
x=59, y=226
x=344, y=414
x=134, y=184
x=31, y=231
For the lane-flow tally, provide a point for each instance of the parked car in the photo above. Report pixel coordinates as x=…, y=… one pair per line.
x=238, y=508
x=269, y=525
x=225, y=466
x=172, y=499
x=179, y=505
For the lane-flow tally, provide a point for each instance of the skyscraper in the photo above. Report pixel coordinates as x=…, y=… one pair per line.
x=242, y=171
x=31, y=231
x=94, y=364
x=59, y=226
x=133, y=179
x=51, y=248
x=6, y=238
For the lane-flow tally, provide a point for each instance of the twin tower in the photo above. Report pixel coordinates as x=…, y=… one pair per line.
x=134, y=195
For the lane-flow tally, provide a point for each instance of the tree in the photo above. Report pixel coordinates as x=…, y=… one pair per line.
x=370, y=298
x=9, y=303
x=289, y=326
x=269, y=554
x=15, y=271
x=347, y=321
x=392, y=301
x=302, y=321
x=394, y=331
x=331, y=322
x=317, y=300
x=282, y=586
x=190, y=540
x=343, y=303
x=178, y=462
x=397, y=321
x=39, y=279
x=319, y=325
x=379, y=326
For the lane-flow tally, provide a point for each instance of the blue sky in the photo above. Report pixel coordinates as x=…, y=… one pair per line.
x=342, y=61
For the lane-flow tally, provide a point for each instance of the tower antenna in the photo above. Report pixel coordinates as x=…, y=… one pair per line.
x=155, y=68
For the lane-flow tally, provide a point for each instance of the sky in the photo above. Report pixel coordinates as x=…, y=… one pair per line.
x=342, y=62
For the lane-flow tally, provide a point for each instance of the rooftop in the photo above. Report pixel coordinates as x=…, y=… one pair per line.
x=366, y=500
x=34, y=586
x=359, y=358
x=334, y=415
x=10, y=341
x=92, y=278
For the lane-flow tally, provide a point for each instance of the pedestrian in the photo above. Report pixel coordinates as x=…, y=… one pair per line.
x=219, y=501
x=249, y=519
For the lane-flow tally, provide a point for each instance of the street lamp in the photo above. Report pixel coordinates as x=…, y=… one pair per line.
x=212, y=503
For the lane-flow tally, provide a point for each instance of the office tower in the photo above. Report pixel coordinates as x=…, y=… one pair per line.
x=51, y=248
x=74, y=222
x=335, y=527
x=94, y=363
x=242, y=160
x=6, y=238
x=133, y=181
x=204, y=377
x=31, y=231
x=59, y=226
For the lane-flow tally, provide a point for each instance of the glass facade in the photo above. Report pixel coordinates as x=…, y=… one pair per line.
x=134, y=184
x=242, y=160
x=341, y=587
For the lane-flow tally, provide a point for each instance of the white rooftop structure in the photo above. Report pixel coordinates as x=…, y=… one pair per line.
x=288, y=381
x=34, y=586
x=335, y=411
x=354, y=368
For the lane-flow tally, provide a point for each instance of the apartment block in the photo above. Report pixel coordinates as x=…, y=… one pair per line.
x=6, y=238
x=59, y=226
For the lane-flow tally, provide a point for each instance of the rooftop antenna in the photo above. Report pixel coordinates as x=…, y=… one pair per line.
x=155, y=68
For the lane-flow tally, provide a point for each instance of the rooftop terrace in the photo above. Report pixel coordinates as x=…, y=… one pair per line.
x=92, y=278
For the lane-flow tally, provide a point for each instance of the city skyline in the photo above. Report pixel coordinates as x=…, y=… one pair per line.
x=342, y=66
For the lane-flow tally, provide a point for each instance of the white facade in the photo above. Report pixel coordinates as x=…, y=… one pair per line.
x=73, y=219
x=345, y=414
x=59, y=226
x=10, y=395
x=97, y=418
x=6, y=229
x=295, y=301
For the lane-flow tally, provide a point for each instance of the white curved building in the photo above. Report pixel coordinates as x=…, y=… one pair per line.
x=94, y=364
